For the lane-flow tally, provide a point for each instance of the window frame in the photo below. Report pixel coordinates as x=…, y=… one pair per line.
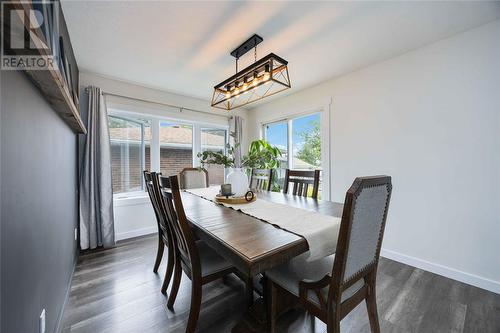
x=136, y=193
x=323, y=109
x=289, y=122
x=155, y=121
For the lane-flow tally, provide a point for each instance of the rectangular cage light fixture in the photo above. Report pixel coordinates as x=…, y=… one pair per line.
x=263, y=78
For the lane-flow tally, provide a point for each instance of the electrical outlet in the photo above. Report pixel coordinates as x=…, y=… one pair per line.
x=76, y=233
x=42, y=322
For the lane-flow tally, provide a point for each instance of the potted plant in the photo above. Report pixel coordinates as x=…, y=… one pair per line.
x=236, y=176
x=260, y=155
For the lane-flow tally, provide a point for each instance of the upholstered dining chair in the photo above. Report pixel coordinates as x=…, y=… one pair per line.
x=261, y=179
x=165, y=238
x=301, y=180
x=193, y=178
x=199, y=262
x=331, y=287
x=161, y=243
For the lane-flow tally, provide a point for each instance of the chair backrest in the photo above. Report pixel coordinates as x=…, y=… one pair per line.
x=301, y=180
x=193, y=178
x=150, y=179
x=261, y=179
x=147, y=180
x=361, y=231
x=182, y=234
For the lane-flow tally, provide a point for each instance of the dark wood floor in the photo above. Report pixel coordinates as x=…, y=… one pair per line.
x=116, y=291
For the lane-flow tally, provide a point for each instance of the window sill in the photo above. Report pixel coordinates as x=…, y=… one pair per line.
x=130, y=199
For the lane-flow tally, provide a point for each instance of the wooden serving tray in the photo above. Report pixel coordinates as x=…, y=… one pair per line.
x=234, y=200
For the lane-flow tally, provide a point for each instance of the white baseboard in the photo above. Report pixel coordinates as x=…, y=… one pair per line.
x=136, y=233
x=445, y=271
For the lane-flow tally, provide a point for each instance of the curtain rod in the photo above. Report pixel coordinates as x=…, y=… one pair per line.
x=181, y=108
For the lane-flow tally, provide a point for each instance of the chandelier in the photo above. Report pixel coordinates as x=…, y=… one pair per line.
x=263, y=78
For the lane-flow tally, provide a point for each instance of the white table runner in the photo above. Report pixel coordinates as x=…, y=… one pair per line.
x=320, y=231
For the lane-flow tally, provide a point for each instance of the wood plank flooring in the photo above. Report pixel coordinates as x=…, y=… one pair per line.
x=115, y=290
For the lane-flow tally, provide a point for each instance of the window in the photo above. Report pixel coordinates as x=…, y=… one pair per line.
x=277, y=135
x=306, y=142
x=130, y=146
x=299, y=140
x=176, y=147
x=214, y=139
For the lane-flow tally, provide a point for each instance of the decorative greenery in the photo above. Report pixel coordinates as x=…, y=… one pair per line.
x=310, y=152
x=218, y=157
x=261, y=155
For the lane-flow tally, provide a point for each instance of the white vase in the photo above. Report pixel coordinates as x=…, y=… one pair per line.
x=238, y=180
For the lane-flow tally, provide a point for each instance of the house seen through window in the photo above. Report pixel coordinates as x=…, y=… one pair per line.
x=178, y=143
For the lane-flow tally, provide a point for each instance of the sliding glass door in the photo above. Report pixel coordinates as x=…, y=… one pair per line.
x=299, y=140
x=306, y=142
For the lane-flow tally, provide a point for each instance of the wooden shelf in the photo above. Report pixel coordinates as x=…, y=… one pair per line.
x=50, y=82
x=53, y=87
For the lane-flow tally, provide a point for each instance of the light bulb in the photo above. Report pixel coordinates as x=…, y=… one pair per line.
x=228, y=95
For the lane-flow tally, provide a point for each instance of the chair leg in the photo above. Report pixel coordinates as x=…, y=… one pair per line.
x=371, y=306
x=169, y=271
x=271, y=295
x=333, y=320
x=175, y=285
x=194, y=311
x=249, y=290
x=333, y=327
x=159, y=253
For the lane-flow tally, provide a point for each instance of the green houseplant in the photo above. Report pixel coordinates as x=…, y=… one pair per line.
x=261, y=155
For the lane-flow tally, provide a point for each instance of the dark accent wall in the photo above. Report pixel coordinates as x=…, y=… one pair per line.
x=39, y=207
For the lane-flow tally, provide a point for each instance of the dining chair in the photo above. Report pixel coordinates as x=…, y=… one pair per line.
x=333, y=286
x=301, y=180
x=193, y=178
x=200, y=263
x=161, y=244
x=164, y=231
x=261, y=179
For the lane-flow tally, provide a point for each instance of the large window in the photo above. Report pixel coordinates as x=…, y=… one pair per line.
x=306, y=142
x=214, y=139
x=147, y=143
x=130, y=147
x=299, y=140
x=176, y=147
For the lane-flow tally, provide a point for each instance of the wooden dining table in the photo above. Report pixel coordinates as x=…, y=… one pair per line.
x=251, y=245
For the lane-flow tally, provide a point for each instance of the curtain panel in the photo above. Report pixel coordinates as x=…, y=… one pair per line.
x=236, y=124
x=96, y=193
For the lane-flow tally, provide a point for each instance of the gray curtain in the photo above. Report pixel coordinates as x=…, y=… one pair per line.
x=236, y=124
x=96, y=193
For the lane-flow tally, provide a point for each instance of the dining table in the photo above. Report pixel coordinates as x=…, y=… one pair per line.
x=250, y=244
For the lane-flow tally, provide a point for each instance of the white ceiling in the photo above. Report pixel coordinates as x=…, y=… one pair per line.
x=184, y=47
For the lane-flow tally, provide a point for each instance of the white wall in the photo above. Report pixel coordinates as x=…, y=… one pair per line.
x=134, y=216
x=430, y=118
